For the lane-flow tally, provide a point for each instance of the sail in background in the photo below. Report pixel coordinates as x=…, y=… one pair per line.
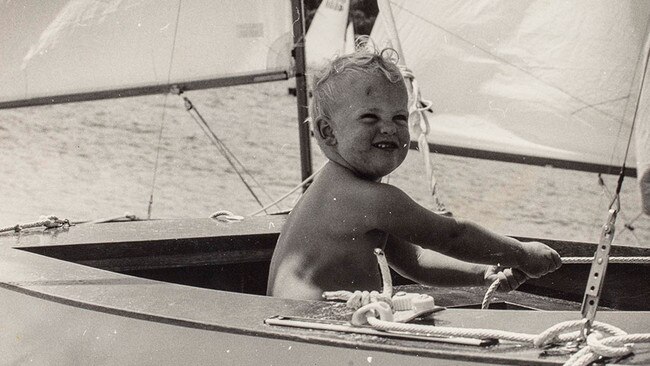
x=642, y=135
x=326, y=36
x=349, y=39
x=60, y=47
x=556, y=80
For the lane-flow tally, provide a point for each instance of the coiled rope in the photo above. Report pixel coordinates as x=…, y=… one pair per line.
x=605, y=340
x=617, y=343
x=358, y=298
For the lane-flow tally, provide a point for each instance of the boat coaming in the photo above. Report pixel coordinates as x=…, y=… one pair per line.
x=235, y=257
x=61, y=312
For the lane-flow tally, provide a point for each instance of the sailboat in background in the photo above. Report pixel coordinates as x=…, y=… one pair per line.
x=179, y=291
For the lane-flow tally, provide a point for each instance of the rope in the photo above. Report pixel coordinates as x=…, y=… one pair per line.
x=221, y=146
x=629, y=260
x=384, y=269
x=164, y=110
x=47, y=221
x=302, y=184
x=420, y=126
x=357, y=299
x=489, y=294
x=226, y=216
x=617, y=344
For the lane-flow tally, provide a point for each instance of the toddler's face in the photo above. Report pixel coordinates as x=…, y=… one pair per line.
x=370, y=119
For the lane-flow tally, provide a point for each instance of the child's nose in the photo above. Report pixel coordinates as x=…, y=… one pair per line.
x=387, y=127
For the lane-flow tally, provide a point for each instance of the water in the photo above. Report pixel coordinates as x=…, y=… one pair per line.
x=92, y=160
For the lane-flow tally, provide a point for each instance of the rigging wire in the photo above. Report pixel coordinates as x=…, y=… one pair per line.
x=164, y=107
x=304, y=183
x=515, y=66
x=225, y=151
x=616, y=197
x=155, y=166
x=627, y=224
x=621, y=175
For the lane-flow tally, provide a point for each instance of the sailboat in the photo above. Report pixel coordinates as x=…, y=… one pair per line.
x=190, y=291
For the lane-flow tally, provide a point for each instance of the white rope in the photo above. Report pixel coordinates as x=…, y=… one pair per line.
x=384, y=269
x=302, y=184
x=47, y=221
x=491, y=291
x=357, y=299
x=489, y=294
x=419, y=124
x=226, y=216
x=616, y=344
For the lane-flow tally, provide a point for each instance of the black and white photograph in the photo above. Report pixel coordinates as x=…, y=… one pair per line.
x=325, y=182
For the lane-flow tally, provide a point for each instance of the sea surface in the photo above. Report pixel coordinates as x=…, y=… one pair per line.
x=92, y=160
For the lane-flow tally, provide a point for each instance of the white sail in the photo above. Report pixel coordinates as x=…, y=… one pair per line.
x=326, y=35
x=642, y=134
x=60, y=47
x=643, y=161
x=553, y=80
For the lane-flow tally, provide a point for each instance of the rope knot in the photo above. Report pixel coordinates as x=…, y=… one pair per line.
x=559, y=333
x=372, y=310
x=358, y=299
x=597, y=346
x=52, y=221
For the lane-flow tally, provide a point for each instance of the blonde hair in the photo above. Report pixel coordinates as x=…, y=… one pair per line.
x=366, y=59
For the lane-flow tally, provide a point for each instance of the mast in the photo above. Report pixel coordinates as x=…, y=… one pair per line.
x=301, y=87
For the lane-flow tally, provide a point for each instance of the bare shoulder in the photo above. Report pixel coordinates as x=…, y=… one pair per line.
x=395, y=212
x=339, y=196
x=349, y=191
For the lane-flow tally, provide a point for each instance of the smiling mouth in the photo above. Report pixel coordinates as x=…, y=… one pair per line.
x=385, y=145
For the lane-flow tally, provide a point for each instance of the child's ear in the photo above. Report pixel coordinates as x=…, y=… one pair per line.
x=325, y=131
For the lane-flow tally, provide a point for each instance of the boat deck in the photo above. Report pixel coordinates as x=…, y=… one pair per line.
x=60, y=312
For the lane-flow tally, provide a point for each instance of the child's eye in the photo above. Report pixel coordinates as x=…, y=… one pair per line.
x=401, y=119
x=368, y=118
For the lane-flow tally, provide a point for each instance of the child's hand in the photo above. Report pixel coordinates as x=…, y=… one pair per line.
x=538, y=259
x=510, y=278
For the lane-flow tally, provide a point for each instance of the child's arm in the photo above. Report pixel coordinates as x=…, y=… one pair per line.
x=434, y=269
x=398, y=215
